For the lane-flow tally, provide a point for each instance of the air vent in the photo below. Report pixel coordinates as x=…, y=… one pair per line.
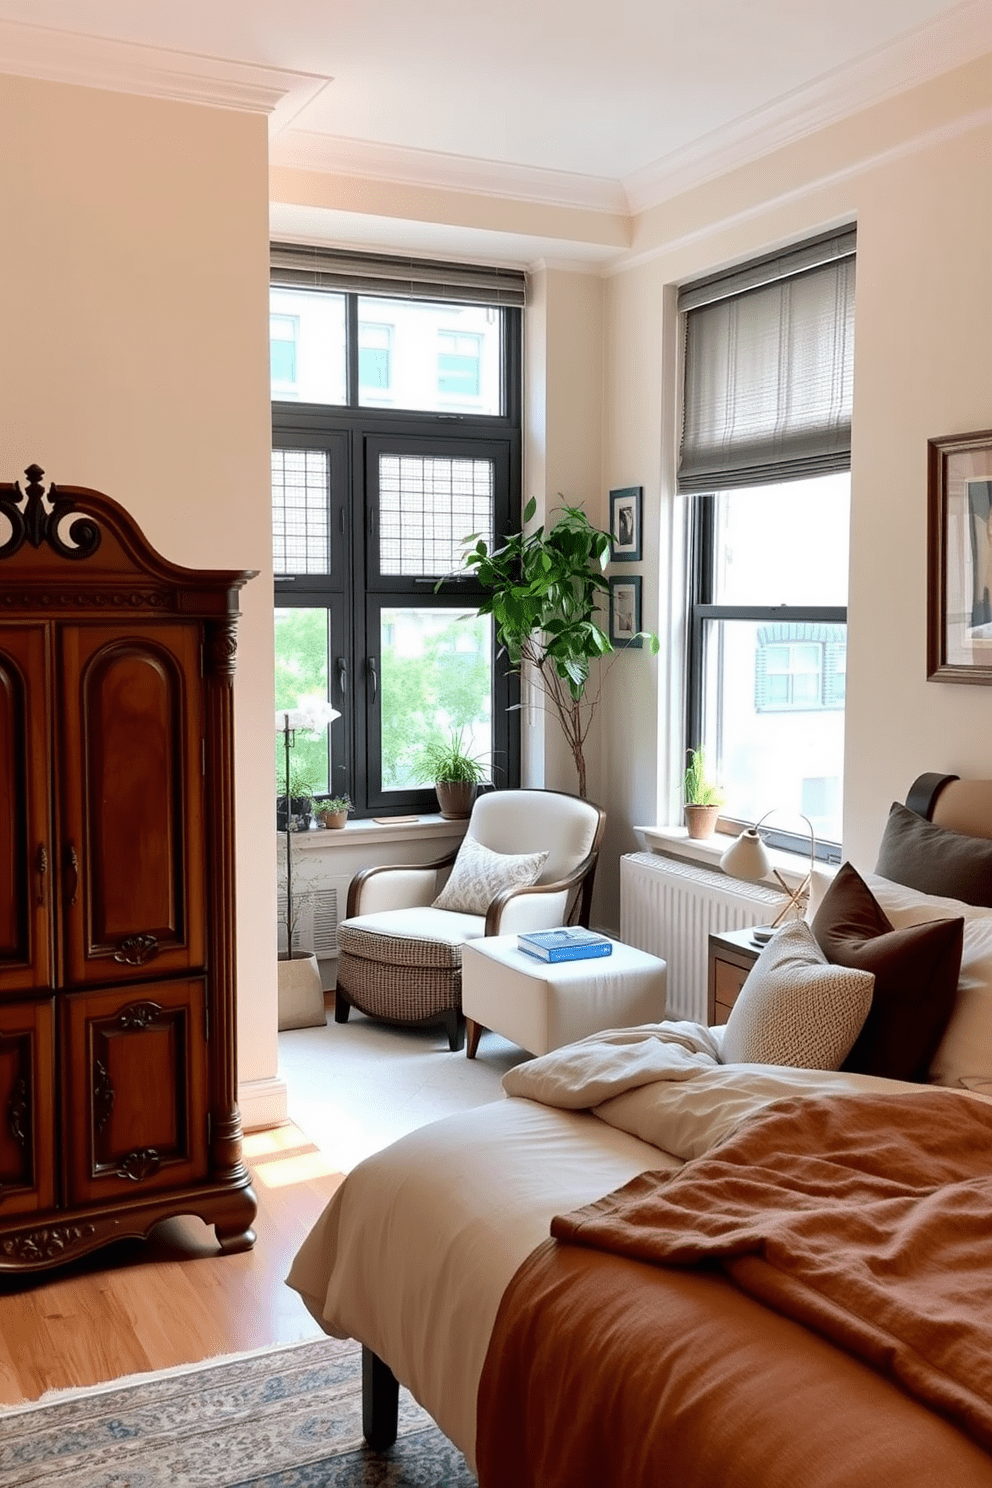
x=320, y=906
x=325, y=922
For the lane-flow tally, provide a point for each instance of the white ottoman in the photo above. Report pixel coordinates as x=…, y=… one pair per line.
x=541, y=1005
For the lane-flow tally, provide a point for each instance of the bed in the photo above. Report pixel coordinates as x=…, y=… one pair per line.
x=659, y=1337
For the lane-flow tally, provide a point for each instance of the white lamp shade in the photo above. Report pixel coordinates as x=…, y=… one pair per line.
x=313, y=714
x=747, y=858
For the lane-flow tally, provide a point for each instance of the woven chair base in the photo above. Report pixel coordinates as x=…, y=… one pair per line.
x=401, y=994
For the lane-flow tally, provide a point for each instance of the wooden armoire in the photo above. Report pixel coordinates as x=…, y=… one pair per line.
x=117, y=955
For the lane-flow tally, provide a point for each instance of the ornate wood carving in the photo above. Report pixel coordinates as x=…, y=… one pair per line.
x=135, y=950
x=139, y=1164
x=103, y=1096
x=47, y=1244
x=83, y=599
x=139, y=1015
x=36, y=524
x=222, y=647
x=19, y=1112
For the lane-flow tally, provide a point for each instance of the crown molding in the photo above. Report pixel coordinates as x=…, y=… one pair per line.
x=922, y=54
x=927, y=139
x=156, y=72
x=300, y=149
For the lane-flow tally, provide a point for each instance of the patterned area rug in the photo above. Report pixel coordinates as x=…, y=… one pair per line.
x=283, y=1418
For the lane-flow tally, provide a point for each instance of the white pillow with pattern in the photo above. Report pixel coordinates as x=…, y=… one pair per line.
x=797, y=1008
x=478, y=875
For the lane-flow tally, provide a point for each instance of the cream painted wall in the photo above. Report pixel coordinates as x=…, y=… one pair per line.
x=916, y=175
x=638, y=401
x=134, y=272
x=923, y=370
x=563, y=403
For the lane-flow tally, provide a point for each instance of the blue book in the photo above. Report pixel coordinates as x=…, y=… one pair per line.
x=572, y=943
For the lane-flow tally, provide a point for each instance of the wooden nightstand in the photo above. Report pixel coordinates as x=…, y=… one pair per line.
x=732, y=953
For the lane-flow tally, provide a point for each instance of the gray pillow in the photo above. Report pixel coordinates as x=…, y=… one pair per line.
x=795, y=1007
x=478, y=875
x=933, y=860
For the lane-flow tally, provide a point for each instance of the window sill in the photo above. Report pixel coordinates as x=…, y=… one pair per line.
x=675, y=842
x=362, y=832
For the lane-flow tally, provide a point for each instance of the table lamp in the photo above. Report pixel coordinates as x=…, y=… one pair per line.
x=747, y=858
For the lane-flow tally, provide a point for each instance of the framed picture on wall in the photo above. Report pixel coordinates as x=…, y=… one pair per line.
x=625, y=611
x=625, y=524
x=959, y=559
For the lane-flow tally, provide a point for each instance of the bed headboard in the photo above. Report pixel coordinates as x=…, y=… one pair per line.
x=960, y=805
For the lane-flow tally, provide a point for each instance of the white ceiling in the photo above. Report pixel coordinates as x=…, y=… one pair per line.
x=564, y=101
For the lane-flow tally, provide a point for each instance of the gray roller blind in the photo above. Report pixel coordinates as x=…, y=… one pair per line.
x=769, y=369
x=397, y=276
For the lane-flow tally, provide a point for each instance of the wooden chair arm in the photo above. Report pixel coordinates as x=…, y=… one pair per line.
x=364, y=874
x=583, y=874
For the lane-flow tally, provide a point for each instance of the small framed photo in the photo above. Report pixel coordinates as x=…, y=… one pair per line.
x=625, y=525
x=959, y=559
x=625, y=611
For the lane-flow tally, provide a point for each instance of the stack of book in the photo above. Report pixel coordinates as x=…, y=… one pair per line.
x=569, y=944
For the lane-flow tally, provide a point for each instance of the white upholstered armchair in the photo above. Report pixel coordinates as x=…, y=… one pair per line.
x=526, y=863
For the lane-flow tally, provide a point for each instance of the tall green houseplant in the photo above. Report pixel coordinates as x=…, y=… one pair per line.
x=544, y=591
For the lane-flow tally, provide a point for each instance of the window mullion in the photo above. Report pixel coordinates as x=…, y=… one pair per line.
x=351, y=348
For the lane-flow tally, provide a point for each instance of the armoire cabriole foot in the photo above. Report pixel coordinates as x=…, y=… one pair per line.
x=117, y=928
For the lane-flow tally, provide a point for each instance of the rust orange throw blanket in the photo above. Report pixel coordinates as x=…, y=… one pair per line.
x=868, y=1218
x=865, y=1218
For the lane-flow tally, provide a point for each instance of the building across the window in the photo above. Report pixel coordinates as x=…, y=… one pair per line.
x=375, y=346
x=800, y=667
x=764, y=462
x=396, y=435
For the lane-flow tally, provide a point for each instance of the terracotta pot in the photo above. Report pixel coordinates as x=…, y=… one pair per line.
x=455, y=798
x=333, y=819
x=701, y=821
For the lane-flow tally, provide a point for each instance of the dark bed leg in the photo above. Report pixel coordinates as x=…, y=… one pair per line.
x=380, y=1401
x=342, y=1007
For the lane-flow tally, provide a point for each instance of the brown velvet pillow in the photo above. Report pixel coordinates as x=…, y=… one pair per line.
x=935, y=860
x=916, y=977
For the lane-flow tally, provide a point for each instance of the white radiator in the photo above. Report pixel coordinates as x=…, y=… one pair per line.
x=670, y=908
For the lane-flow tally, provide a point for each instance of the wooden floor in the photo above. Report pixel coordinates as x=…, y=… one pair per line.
x=174, y=1299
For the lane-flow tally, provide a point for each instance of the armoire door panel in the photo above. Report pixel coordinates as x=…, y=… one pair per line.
x=137, y=1073
x=26, y=961
x=132, y=870
x=27, y=1166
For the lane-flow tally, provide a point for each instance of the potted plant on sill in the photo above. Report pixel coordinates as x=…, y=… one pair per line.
x=700, y=797
x=457, y=776
x=333, y=812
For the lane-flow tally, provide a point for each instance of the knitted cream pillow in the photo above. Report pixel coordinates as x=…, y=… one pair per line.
x=479, y=874
x=795, y=1007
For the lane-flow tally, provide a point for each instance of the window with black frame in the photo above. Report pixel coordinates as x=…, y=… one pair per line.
x=765, y=464
x=396, y=434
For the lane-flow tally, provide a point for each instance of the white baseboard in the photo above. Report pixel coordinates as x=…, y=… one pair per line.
x=263, y=1103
